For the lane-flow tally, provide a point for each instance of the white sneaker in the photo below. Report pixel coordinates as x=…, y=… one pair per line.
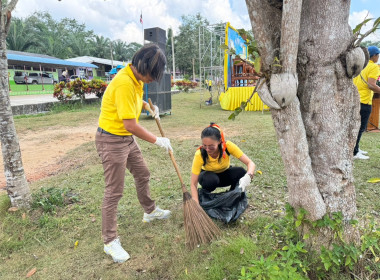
x=363, y=152
x=360, y=156
x=115, y=250
x=158, y=213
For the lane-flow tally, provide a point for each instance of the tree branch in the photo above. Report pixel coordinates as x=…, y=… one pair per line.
x=12, y=5
x=266, y=26
x=290, y=29
x=366, y=34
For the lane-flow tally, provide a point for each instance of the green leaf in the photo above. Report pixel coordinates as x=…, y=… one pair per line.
x=373, y=180
x=232, y=117
x=285, y=248
x=243, y=271
x=298, y=223
x=223, y=47
x=306, y=236
x=257, y=64
x=359, y=26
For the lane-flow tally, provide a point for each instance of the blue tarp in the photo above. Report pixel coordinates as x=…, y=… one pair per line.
x=57, y=61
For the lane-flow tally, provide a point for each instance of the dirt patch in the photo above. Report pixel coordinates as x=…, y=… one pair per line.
x=43, y=151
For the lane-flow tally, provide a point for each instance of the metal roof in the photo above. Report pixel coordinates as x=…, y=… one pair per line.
x=92, y=59
x=31, y=58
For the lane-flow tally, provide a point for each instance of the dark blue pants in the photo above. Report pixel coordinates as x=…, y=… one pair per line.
x=210, y=180
x=365, y=112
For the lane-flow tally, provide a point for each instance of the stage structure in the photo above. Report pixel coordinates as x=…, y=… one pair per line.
x=239, y=74
x=211, y=37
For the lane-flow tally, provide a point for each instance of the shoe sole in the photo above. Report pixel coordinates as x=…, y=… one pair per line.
x=158, y=218
x=117, y=261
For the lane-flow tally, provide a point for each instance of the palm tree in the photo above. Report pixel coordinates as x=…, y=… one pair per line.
x=20, y=37
x=100, y=47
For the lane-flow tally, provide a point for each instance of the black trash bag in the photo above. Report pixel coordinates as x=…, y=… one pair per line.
x=225, y=206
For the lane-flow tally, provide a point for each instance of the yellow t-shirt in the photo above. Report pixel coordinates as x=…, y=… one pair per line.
x=123, y=99
x=213, y=164
x=370, y=71
x=210, y=82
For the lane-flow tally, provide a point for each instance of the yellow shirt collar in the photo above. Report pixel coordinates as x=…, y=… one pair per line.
x=140, y=84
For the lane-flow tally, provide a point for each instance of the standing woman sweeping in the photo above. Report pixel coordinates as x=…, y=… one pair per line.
x=117, y=147
x=211, y=164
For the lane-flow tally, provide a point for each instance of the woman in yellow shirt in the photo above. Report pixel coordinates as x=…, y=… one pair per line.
x=211, y=164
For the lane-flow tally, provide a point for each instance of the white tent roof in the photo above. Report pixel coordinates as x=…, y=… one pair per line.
x=91, y=59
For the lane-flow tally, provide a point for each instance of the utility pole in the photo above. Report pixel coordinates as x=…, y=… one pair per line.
x=193, y=70
x=173, y=55
x=111, y=55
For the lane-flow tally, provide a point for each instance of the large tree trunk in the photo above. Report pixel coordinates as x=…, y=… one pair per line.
x=17, y=186
x=318, y=130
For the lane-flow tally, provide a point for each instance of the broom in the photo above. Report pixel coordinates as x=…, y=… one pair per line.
x=199, y=228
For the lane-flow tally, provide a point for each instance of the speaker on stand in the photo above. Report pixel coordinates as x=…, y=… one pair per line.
x=159, y=92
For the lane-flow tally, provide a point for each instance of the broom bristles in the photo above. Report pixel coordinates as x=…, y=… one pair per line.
x=199, y=227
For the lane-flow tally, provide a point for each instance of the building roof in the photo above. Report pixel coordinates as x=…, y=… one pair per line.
x=16, y=57
x=91, y=59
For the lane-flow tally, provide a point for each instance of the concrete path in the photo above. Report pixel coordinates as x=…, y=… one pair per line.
x=32, y=99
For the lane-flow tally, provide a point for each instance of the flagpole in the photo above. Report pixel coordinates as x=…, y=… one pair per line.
x=142, y=28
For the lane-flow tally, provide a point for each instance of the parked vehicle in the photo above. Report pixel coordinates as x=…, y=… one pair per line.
x=34, y=78
x=74, y=77
x=19, y=77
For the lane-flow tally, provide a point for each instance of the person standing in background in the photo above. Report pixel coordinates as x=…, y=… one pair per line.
x=366, y=89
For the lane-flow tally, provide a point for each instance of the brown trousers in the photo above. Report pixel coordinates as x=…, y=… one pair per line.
x=118, y=153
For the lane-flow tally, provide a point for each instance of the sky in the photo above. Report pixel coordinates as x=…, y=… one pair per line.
x=120, y=19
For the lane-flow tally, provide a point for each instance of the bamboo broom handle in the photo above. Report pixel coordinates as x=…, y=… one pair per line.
x=170, y=152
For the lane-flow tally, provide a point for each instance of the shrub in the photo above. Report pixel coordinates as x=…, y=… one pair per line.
x=79, y=88
x=185, y=85
x=292, y=261
x=48, y=199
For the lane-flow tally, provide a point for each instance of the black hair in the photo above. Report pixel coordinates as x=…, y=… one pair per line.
x=213, y=133
x=150, y=60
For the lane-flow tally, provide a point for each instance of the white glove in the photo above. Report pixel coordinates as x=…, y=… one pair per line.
x=164, y=142
x=244, y=181
x=156, y=112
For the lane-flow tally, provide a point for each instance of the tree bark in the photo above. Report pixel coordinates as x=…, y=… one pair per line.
x=17, y=185
x=318, y=130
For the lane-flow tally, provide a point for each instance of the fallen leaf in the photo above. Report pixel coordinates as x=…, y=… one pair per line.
x=23, y=216
x=241, y=251
x=259, y=172
x=31, y=272
x=242, y=140
x=76, y=244
x=93, y=220
x=12, y=209
x=373, y=180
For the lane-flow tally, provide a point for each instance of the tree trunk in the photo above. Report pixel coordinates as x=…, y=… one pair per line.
x=17, y=186
x=318, y=130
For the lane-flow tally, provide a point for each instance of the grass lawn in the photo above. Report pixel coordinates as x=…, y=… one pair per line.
x=66, y=244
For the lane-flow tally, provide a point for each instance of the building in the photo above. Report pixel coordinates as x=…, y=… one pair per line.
x=104, y=65
x=32, y=62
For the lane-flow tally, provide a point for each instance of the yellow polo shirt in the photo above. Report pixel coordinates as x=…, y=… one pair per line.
x=123, y=99
x=370, y=71
x=213, y=164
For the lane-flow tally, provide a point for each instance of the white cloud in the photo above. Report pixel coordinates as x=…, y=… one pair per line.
x=120, y=19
